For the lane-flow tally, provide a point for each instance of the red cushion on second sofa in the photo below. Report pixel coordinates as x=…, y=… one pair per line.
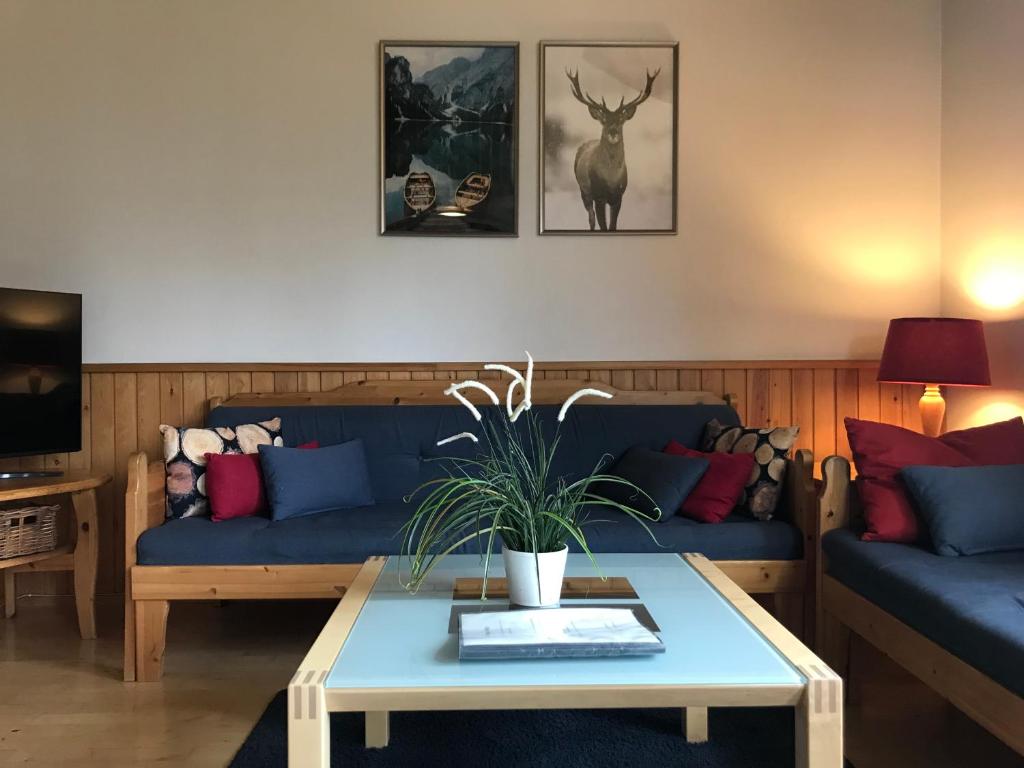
x=880, y=451
x=719, y=489
x=234, y=484
x=992, y=444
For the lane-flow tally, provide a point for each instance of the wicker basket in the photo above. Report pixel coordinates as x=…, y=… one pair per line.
x=27, y=531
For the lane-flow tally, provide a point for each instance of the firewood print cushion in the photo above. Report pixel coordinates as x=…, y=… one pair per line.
x=770, y=448
x=185, y=450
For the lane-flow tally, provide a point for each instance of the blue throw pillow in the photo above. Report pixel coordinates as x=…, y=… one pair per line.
x=666, y=478
x=970, y=510
x=303, y=481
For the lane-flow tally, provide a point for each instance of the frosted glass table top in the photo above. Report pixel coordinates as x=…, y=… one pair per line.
x=402, y=641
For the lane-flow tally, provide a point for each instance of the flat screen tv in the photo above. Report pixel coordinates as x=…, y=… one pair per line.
x=40, y=372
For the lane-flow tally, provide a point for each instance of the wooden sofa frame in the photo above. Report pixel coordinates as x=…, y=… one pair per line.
x=149, y=589
x=842, y=612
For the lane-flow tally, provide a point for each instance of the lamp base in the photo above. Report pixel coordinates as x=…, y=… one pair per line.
x=933, y=410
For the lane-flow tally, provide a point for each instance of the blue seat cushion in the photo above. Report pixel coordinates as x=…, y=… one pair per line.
x=352, y=535
x=969, y=605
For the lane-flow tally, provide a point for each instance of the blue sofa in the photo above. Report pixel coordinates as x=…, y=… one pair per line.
x=402, y=454
x=955, y=622
x=317, y=555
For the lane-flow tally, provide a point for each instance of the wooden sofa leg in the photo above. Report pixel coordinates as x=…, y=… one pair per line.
x=789, y=610
x=836, y=646
x=129, y=637
x=150, y=639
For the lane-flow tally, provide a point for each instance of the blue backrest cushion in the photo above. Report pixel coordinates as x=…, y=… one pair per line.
x=970, y=510
x=306, y=481
x=401, y=440
x=665, y=478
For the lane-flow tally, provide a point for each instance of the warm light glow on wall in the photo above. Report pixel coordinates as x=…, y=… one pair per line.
x=994, y=276
x=878, y=263
x=996, y=411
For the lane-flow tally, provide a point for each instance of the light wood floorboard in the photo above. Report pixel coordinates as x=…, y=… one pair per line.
x=62, y=701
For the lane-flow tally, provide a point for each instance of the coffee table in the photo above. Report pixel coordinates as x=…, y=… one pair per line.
x=384, y=650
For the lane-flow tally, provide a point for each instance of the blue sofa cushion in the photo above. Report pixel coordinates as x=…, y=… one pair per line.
x=401, y=441
x=665, y=479
x=970, y=510
x=967, y=605
x=304, y=482
x=352, y=535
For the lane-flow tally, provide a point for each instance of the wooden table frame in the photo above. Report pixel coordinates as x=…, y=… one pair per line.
x=818, y=702
x=77, y=492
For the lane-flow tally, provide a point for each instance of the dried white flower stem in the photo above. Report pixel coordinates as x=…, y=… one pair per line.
x=504, y=369
x=528, y=386
x=586, y=392
x=453, y=390
x=460, y=436
x=523, y=406
x=462, y=399
x=473, y=384
x=517, y=379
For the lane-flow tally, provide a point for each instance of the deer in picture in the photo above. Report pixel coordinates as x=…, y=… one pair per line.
x=600, y=164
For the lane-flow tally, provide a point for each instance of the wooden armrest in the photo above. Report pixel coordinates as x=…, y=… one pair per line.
x=801, y=493
x=145, y=501
x=833, y=511
x=834, y=498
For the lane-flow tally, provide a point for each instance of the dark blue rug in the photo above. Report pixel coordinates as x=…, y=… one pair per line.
x=579, y=738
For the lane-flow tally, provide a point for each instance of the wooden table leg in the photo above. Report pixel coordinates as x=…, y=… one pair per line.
x=819, y=720
x=695, y=721
x=378, y=729
x=86, y=558
x=309, y=726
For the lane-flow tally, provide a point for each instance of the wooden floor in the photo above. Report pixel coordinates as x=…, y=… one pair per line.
x=62, y=702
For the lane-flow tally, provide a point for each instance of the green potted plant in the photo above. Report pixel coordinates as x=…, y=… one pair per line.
x=509, y=493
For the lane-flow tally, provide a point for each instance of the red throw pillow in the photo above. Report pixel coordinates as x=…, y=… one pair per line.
x=721, y=486
x=234, y=484
x=880, y=451
x=992, y=444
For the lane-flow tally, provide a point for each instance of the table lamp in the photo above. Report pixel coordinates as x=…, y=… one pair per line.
x=935, y=351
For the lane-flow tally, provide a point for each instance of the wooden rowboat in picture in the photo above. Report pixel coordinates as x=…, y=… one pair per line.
x=473, y=190
x=420, y=192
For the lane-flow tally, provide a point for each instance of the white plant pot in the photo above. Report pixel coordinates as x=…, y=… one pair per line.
x=534, y=580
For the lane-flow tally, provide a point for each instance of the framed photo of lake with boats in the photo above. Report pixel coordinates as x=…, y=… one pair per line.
x=608, y=137
x=449, y=138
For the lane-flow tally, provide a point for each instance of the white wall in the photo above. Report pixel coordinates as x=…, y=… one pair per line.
x=983, y=194
x=205, y=172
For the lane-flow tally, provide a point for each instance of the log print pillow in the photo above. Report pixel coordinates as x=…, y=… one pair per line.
x=185, y=450
x=770, y=448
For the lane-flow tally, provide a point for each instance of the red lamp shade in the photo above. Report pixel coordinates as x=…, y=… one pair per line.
x=935, y=350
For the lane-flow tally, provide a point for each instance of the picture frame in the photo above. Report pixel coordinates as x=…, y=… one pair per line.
x=584, y=143
x=449, y=138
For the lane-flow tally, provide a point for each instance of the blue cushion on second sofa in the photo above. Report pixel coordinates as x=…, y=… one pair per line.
x=968, y=605
x=970, y=510
x=303, y=481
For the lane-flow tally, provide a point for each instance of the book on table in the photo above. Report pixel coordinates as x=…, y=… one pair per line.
x=555, y=633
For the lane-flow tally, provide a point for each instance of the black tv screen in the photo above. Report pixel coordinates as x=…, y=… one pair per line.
x=40, y=372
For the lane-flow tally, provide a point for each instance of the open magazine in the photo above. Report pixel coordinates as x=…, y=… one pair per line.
x=555, y=633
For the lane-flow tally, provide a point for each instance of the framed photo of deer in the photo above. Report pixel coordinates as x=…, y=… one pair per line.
x=608, y=114
x=449, y=140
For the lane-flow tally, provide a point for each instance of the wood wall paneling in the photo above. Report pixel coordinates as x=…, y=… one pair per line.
x=123, y=406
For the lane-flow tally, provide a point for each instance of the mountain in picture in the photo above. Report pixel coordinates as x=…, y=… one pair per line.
x=478, y=91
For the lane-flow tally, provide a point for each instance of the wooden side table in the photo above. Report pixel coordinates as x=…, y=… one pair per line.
x=80, y=555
